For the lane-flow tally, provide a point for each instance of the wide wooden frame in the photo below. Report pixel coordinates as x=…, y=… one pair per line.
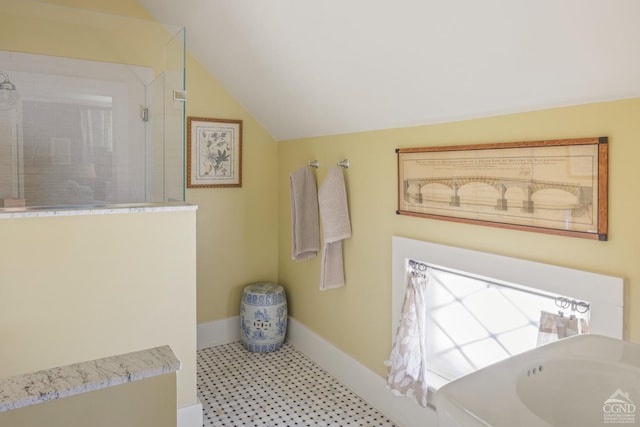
x=214, y=152
x=552, y=186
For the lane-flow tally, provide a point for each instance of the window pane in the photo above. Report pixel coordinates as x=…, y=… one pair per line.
x=473, y=322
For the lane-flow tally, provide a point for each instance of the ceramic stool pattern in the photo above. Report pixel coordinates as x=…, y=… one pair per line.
x=263, y=317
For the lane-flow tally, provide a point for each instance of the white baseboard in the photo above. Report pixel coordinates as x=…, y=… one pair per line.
x=357, y=377
x=218, y=332
x=190, y=416
x=360, y=379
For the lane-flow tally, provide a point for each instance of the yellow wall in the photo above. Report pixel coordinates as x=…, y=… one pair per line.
x=144, y=403
x=49, y=29
x=243, y=234
x=129, y=8
x=78, y=288
x=357, y=318
x=237, y=227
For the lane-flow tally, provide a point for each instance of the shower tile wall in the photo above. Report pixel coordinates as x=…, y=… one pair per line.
x=8, y=164
x=79, y=131
x=58, y=158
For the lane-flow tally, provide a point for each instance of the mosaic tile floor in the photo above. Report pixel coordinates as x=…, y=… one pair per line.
x=281, y=388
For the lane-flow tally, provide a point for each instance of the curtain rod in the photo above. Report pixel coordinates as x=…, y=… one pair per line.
x=420, y=267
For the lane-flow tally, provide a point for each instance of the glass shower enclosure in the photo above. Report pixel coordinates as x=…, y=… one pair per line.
x=98, y=108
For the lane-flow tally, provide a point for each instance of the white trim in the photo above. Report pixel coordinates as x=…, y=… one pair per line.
x=360, y=379
x=190, y=416
x=604, y=293
x=218, y=332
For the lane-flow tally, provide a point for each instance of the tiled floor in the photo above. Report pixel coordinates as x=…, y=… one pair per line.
x=281, y=388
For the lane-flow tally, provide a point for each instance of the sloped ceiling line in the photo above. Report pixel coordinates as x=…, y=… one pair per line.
x=306, y=69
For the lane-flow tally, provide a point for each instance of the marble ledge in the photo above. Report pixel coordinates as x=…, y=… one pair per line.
x=50, y=384
x=8, y=213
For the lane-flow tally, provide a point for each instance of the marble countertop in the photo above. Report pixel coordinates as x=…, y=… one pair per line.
x=41, y=386
x=7, y=213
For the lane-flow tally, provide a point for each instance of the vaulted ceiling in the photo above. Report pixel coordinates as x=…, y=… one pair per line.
x=309, y=68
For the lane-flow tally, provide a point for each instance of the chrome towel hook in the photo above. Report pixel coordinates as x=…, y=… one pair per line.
x=313, y=164
x=344, y=163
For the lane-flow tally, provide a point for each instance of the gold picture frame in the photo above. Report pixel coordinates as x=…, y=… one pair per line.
x=214, y=152
x=552, y=186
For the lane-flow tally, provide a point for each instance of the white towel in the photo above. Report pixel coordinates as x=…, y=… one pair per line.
x=334, y=211
x=305, y=227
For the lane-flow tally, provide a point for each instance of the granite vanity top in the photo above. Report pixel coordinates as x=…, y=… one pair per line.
x=8, y=213
x=49, y=384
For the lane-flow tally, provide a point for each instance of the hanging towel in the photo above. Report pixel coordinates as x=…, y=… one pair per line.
x=553, y=327
x=305, y=227
x=407, y=363
x=332, y=198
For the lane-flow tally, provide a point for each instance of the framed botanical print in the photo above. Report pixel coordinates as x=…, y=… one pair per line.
x=214, y=153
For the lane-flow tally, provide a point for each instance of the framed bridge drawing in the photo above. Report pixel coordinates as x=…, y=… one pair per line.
x=553, y=186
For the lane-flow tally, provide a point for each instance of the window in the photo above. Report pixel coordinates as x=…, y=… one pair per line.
x=489, y=290
x=473, y=322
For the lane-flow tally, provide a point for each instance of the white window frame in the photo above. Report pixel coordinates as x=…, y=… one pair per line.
x=604, y=293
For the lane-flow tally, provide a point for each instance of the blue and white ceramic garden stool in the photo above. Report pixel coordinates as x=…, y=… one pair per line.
x=263, y=317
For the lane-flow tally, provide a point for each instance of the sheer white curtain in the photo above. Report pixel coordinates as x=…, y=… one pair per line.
x=407, y=363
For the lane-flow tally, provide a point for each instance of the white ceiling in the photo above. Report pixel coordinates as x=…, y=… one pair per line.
x=309, y=68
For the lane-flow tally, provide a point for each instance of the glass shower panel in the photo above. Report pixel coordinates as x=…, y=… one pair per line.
x=96, y=122
x=174, y=86
x=165, y=127
x=155, y=153
x=76, y=137
x=11, y=180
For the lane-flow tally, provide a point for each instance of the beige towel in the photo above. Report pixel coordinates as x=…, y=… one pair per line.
x=332, y=199
x=553, y=327
x=305, y=227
